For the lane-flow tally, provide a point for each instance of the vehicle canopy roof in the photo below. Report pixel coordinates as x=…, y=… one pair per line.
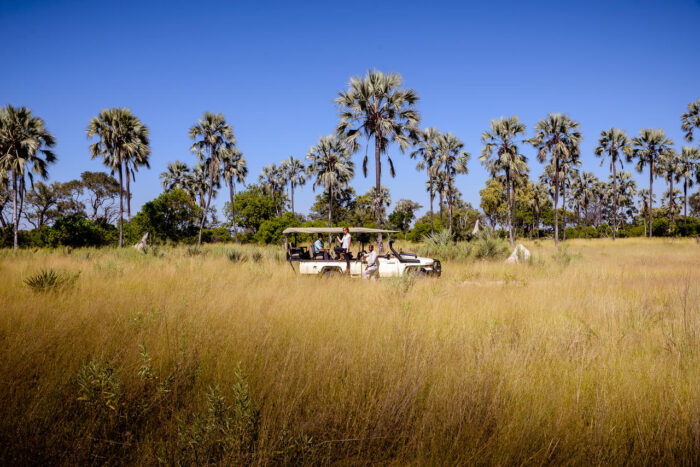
x=334, y=230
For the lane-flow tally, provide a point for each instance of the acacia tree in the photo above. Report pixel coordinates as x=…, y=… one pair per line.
x=235, y=170
x=295, y=174
x=211, y=135
x=330, y=164
x=613, y=143
x=501, y=154
x=556, y=135
x=378, y=107
x=648, y=148
x=121, y=138
x=427, y=151
x=689, y=172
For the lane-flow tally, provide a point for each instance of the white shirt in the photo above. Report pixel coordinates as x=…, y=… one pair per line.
x=345, y=243
x=371, y=259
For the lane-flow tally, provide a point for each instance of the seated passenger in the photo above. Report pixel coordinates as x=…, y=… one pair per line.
x=372, y=264
x=319, y=248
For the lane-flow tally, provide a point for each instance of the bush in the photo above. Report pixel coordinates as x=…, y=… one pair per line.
x=487, y=245
x=271, y=230
x=440, y=245
x=48, y=280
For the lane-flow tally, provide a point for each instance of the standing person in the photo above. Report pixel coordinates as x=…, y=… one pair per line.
x=372, y=265
x=344, y=248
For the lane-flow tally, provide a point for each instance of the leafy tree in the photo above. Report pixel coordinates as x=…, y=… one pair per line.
x=271, y=230
x=403, y=214
x=173, y=216
x=212, y=138
x=344, y=203
x=46, y=203
x=557, y=135
x=23, y=141
x=453, y=159
x=294, y=172
x=102, y=192
x=364, y=208
x=689, y=172
x=493, y=202
x=123, y=145
x=613, y=143
x=426, y=152
x=253, y=207
x=647, y=148
x=376, y=106
x=501, y=154
x=694, y=204
x=78, y=231
x=235, y=171
x=330, y=164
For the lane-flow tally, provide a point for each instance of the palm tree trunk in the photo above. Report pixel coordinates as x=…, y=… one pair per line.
x=671, y=204
x=378, y=186
x=291, y=189
x=685, y=202
x=563, y=191
x=614, y=200
x=330, y=212
x=432, y=196
x=121, y=206
x=556, y=203
x=510, y=225
x=128, y=192
x=15, y=217
x=651, y=197
x=211, y=189
x=449, y=205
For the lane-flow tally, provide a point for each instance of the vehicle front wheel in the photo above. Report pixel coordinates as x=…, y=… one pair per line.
x=328, y=273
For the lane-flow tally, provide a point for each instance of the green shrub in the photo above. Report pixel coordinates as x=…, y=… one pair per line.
x=236, y=256
x=440, y=245
x=48, y=280
x=487, y=245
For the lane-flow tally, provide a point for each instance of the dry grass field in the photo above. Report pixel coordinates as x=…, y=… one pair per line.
x=592, y=356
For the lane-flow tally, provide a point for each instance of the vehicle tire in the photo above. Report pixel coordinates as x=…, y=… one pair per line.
x=329, y=273
x=416, y=272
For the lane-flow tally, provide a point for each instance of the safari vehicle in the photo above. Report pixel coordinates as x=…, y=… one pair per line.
x=391, y=264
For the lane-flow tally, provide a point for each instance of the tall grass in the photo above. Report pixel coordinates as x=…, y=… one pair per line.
x=196, y=358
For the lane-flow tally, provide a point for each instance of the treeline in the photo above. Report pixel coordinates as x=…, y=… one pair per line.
x=377, y=110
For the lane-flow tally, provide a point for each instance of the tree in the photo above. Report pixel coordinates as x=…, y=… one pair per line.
x=557, y=135
x=670, y=165
x=173, y=216
x=235, y=170
x=294, y=173
x=176, y=176
x=427, y=152
x=647, y=148
x=330, y=164
x=212, y=136
x=453, y=159
x=344, y=203
x=689, y=171
x=378, y=107
x=694, y=203
x=493, y=203
x=253, y=207
x=538, y=201
x=102, y=191
x=46, y=203
x=501, y=154
x=690, y=120
x=122, y=143
x=403, y=214
x=4, y=196
x=364, y=210
x=612, y=143
x=23, y=141
x=272, y=182
x=625, y=189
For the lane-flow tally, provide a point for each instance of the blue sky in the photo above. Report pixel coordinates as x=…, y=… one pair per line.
x=274, y=68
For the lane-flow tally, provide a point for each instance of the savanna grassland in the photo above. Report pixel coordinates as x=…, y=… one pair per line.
x=185, y=356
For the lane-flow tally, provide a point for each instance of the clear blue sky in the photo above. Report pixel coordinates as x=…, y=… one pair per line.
x=274, y=68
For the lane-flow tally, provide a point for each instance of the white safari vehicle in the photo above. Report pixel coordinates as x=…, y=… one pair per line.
x=391, y=264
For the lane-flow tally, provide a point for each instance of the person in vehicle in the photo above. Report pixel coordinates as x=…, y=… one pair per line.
x=372, y=265
x=344, y=249
x=319, y=249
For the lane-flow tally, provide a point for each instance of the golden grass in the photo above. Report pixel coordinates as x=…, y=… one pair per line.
x=596, y=361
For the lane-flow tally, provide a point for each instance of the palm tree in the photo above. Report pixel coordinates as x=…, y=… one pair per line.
x=500, y=153
x=24, y=139
x=440, y=183
x=690, y=120
x=212, y=136
x=613, y=143
x=670, y=166
x=176, y=176
x=626, y=190
x=557, y=135
x=271, y=182
x=647, y=148
x=197, y=183
x=689, y=171
x=295, y=174
x=330, y=164
x=122, y=143
x=135, y=158
x=453, y=160
x=645, y=202
x=235, y=170
x=427, y=151
x=378, y=107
